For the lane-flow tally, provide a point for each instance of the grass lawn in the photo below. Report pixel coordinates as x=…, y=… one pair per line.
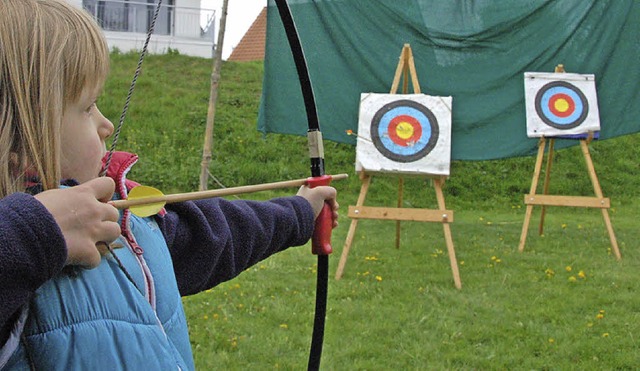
x=564, y=303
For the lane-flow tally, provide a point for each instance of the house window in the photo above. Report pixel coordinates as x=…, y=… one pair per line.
x=131, y=16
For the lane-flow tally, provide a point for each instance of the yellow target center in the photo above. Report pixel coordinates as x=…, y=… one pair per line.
x=404, y=130
x=561, y=105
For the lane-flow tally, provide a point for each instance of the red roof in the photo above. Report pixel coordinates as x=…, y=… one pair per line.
x=251, y=47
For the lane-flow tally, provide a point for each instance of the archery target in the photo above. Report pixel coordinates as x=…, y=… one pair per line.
x=405, y=133
x=560, y=104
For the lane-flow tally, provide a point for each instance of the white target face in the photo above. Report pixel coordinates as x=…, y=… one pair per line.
x=560, y=104
x=404, y=133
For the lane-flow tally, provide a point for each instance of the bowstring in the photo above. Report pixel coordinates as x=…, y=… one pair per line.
x=116, y=135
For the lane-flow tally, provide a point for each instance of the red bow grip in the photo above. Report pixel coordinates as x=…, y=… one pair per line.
x=321, y=239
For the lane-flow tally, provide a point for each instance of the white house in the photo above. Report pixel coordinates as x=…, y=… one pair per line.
x=181, y=25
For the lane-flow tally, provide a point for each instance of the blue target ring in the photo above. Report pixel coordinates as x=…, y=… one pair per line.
x=404, y=131
x=561, y=105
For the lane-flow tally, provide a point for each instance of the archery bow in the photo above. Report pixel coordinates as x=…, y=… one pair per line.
x=321, y=241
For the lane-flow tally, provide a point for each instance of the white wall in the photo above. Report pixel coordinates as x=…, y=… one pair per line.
x=159, y=44
x=187, y=40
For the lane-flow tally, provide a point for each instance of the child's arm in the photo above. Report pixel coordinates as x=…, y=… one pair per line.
x=212, y=241
x=32, y=250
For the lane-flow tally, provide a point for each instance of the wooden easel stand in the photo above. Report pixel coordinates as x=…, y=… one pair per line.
x=545, y=200
x=532, y=199
x=406, y=68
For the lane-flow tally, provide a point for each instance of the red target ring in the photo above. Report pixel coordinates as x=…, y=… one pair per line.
x=405, y=130
x=562, y=105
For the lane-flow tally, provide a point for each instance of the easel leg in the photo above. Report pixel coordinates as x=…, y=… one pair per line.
x=534, y=186
x=366, y=181
x=399, y=205
x=598, y=191
x=545, y=187
x=447, y=234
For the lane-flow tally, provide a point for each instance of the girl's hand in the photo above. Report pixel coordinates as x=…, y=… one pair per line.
x=86, y=220
x=318, y=196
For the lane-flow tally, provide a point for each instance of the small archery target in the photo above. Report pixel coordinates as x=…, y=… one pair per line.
x=407, y=133
x=559, y=104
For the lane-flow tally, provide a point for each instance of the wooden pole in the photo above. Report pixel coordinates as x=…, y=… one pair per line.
x=213, y=97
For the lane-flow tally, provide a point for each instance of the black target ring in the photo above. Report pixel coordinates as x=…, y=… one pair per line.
x=575, y=105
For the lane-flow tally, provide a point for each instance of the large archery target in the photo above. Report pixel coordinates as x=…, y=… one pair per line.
x=404, y=133
x=560, y=104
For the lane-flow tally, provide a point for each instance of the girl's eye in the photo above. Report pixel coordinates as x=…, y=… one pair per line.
x=91, y=107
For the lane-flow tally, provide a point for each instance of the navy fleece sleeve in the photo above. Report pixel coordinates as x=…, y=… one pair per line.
x=214, y=240
x=32, y=250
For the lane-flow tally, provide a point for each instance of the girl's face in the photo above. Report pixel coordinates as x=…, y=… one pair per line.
x=84, y=131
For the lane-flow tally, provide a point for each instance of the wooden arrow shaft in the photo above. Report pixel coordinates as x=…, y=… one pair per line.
x=191, y=196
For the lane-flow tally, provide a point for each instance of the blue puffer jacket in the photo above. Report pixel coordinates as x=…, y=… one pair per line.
x=126, y=314
x=130, y=324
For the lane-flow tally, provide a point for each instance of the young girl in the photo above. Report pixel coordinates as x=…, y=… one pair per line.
x=83, y=286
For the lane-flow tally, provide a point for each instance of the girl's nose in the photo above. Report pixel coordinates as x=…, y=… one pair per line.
x=105, y=127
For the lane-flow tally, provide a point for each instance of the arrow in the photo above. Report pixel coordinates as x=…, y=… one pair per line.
x=146, y=201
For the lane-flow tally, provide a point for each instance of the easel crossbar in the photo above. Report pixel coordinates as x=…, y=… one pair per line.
x=575, y=201
x=403, y=214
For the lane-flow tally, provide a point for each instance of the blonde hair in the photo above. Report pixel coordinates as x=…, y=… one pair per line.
x=49, y=52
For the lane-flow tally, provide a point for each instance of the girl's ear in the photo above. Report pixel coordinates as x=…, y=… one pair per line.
x=15, y=164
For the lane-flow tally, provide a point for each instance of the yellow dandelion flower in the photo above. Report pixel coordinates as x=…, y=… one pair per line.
x=572, y=279
x=461, y=262
x=498, y=260
x=567, y=268
x=605, y=335
x=378, y=278
x=582, y=275
x=549, y=272
x=599, y=316
x=564, y=226
x=589, y=324
x=205, y=317
x=284, y=326
x=552, y=340
x=601, y=311
x=215, y=316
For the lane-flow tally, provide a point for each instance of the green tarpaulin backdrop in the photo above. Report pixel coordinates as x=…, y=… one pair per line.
x=473, y=50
